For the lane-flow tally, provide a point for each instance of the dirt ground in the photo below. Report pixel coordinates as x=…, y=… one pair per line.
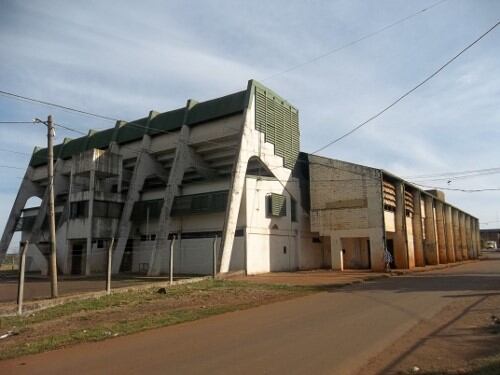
x=463, y=339
x=126, y=313
x=315, y=277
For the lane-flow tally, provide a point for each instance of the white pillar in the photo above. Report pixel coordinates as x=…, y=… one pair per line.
x=336, y=253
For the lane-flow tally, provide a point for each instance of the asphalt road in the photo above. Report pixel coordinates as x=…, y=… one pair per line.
x=327, y=333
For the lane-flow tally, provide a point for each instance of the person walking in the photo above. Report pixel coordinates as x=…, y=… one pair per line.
x=388, y=260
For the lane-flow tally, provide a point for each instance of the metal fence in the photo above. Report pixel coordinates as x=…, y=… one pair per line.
x=19, y=283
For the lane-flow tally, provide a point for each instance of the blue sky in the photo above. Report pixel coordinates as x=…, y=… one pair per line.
x=124, y=58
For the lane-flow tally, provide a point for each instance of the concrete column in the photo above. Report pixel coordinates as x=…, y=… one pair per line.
x=478, y=239
x=233, y=210
x=440, y=225
x=430, y=243
x=418, y=239
x=236, y=191
x=179, y=166
x=457, y=239
x=468, y=234
x=377, y=248
x=473, y=235
x=463, y=236
x=36, y=231
x=450, y=245
x=143, y=168
x=400, y=238
x=88, y=257
x=336, y=253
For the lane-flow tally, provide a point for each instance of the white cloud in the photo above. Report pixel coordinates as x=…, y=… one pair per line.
x=123, y=59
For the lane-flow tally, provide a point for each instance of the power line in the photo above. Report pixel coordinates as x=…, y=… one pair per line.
x=15, y=122
x=458, y=177
x=490, y=222
x=26, y=98
x=70, y=129
x=14, y=152
x=451, y=174
x=10, y=167
x=457, y=189
x=43, y=102
x=408, y=92
x=349, y=44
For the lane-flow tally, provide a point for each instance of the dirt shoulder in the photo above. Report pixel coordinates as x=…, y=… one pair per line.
x=463, y=339
x=124, y=313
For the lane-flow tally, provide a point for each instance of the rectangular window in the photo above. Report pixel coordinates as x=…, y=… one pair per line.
x=293, y=209
x=147, y=209
x=107, y=209
x=100, y=209
x=200, y=203
x=115, y=210
x=79, y=209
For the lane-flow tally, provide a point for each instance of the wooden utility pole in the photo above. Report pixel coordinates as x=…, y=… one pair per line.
x=171, y=273
x=214, y=257
x=110, y=259
x=52, y=218
x=20, y=285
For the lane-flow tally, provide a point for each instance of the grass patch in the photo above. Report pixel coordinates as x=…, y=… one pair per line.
x=135, y=311
x=120, y=328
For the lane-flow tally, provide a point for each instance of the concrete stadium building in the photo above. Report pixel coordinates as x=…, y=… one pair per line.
x=227, y=170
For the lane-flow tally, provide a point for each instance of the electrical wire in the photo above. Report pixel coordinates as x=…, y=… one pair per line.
x=10, y=167
x=457, y=189
x=446, y=174
x=407, y=93
x=16, y=122
x=351, y=43
x=55, y=105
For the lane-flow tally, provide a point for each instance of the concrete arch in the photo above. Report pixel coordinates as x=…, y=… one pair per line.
x=27, y=191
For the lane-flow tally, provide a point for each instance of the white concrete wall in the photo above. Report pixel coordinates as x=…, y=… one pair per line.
x=98, y=258
x=191, y=256
x=311, y=253
x=267, y=236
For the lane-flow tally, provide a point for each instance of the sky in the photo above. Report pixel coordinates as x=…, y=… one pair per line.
x=125, y=58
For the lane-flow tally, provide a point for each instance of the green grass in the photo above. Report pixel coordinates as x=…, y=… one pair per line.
x=120, y=328
x=137, y=298
x=133, y=299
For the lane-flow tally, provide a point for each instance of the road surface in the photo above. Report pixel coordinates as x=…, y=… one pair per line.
x=334, y=332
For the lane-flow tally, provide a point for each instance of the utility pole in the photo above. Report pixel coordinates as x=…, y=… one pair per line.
x=20, y=285
x=52, y=219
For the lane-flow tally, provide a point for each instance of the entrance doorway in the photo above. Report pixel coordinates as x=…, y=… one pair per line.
x=356, y=252
x=127, y=259
x=76, y=259
x=390, y=248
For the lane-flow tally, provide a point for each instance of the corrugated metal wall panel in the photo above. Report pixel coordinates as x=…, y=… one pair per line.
x=281, y=125
x=276, y=204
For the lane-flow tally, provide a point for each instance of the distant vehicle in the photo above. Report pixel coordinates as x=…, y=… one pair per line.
x=491, y=244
